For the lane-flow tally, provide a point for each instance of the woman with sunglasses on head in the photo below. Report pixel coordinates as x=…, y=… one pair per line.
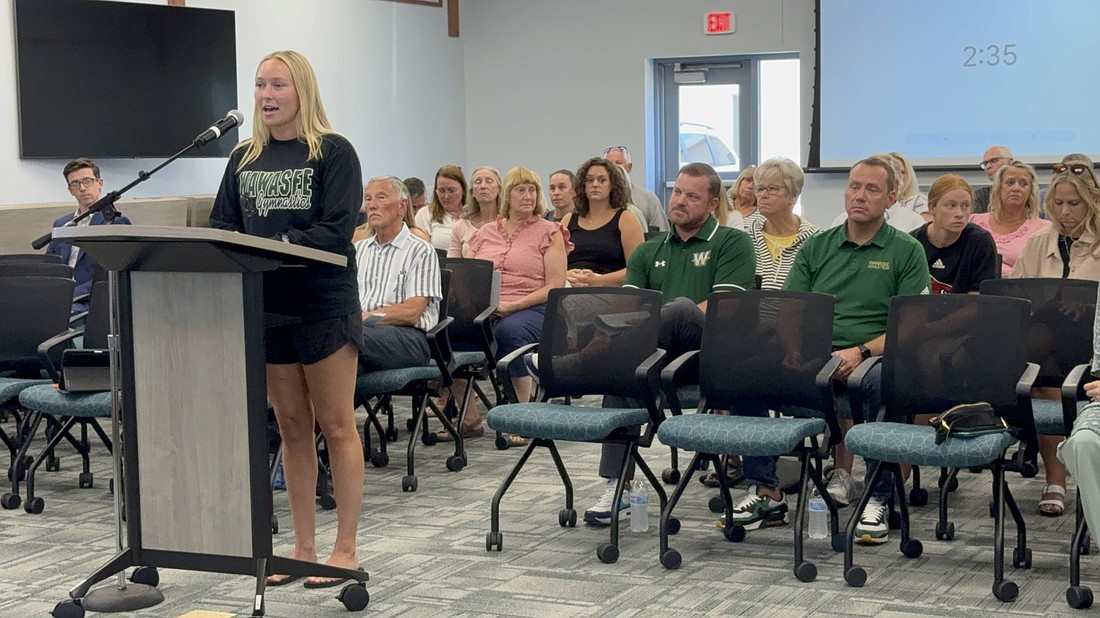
x=314, y=326
x=1013, y=212
x=439, y=217
x=1068, y=249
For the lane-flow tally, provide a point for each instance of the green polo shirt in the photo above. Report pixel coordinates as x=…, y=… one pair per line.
x=863, y=279
x=716, y=258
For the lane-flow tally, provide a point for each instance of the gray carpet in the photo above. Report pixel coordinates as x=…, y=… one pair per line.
x=425, y=552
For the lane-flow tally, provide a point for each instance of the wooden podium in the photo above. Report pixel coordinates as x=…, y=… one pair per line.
x=193, y=400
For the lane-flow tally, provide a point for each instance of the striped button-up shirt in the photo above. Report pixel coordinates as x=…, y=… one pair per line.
x=391, y=273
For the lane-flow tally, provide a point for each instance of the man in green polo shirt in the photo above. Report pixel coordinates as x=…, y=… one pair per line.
x=687, y=263
x=863, y=263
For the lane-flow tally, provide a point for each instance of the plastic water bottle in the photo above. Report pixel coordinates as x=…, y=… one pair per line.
x=819, y=515
x=639, y=508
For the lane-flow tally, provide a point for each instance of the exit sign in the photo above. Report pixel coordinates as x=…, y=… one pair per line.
x=719, y=23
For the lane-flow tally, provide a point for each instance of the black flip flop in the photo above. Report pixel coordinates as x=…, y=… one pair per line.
x=289, y=579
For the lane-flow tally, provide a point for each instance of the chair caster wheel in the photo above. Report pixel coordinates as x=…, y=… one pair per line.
x=391, y=434
x=673, y=526
x=671, y=559
x=805, y=571
x=1021, y=560
x=146, y=575
x=494, y=541
x=455, y=463
x=429, y=439
x=945, y=532
x=704, y=464
x=1079, y=597
x=837, y=541
x=607, y=553
x=918, y=497
x=734, y=534
x=378, y=459
x=912, y=548
x=408, y=483
x=69, y=608
x=327, y=502
x=855, y=577
x=975, y=470
x=502, y=443
x=85, y=480
x=274, y=524
x=410, y=424
x=1006, y=591
x=567, y=517
x=354, y=597
x=670, y=476
x=35, y=506
x=53, y=464
x=10, y=502
x=716, y=504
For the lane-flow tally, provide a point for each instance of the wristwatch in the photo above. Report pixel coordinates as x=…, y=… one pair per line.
x=864, y=351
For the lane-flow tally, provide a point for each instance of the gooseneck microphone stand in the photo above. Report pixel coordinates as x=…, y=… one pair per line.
x=141, y=592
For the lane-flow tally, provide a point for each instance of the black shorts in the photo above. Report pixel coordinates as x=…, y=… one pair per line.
x=309, y=342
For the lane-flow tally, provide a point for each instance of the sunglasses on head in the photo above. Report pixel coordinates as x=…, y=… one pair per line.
x=1076, y=168
x=607, y=151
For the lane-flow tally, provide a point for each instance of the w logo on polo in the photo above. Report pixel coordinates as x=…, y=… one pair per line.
x=700, y=259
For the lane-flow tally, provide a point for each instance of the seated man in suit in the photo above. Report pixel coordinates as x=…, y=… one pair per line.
x=399, y=282
x=85, y=184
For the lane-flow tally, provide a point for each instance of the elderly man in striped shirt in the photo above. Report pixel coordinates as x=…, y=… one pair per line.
x=399, y=282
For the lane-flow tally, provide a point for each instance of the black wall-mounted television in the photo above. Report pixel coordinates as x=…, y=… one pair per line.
x=122, y=80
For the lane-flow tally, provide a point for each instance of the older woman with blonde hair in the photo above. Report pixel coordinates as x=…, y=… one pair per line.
x=1013, y=212
x=741, y=198
x=778, y=233
x=1069, y=248
x=909, y=193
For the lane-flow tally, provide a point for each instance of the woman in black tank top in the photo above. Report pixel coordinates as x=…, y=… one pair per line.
x=603, y=232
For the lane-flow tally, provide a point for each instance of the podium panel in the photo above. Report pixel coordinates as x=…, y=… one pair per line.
x=190, y=398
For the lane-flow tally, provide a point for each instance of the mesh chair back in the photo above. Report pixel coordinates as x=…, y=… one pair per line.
x=30, y=257
x=947, y=349
x=471, y=294
x=1062, y=314
x=765, y=347
x=28, y=268
x=32, y=310
x=594, y=338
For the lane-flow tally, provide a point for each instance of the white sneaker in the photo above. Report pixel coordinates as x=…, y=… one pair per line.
x=841, y=486
x=600, y=513
x=873, y=527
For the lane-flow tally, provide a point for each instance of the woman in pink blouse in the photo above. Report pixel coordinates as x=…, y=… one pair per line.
x=530, y=253
x=1013, y=212
x=482, y=206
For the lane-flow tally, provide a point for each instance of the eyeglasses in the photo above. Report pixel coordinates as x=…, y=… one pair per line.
x=769, y=189
x=1076, y=168
x=446, y=191
x=990, y=161
x=608, y=150
x=83, y=182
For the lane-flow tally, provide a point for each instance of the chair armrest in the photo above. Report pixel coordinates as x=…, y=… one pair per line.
x=857, y=387
x=77, y=318
x=686, y=365
x=647, y=375
x=47, y=347
x=502, y=370
x=1026, y=460
x=1072, y=393
x=824, y=382
x=488, y=342
x=439, y=346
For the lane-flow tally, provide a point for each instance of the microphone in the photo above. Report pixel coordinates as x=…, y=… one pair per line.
x=232, y=119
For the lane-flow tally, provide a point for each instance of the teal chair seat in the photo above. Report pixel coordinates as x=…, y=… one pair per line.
x=11, y=387
x=915, y=444
x=553, y=421
x=1048, y=416
x=744, y=435
x=393, y=380
x=465, y=359
x=48, y=400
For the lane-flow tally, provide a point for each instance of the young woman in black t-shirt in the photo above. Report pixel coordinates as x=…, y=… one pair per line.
x=298, y=181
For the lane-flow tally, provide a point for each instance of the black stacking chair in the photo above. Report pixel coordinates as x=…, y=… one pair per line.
x=595, y=341
x=1077, y=596
x=770, y=349
x=30, y=257
x=32, y=268
x=942, y=351
x=474, y=285
x=81, y=395
x=32, y=310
